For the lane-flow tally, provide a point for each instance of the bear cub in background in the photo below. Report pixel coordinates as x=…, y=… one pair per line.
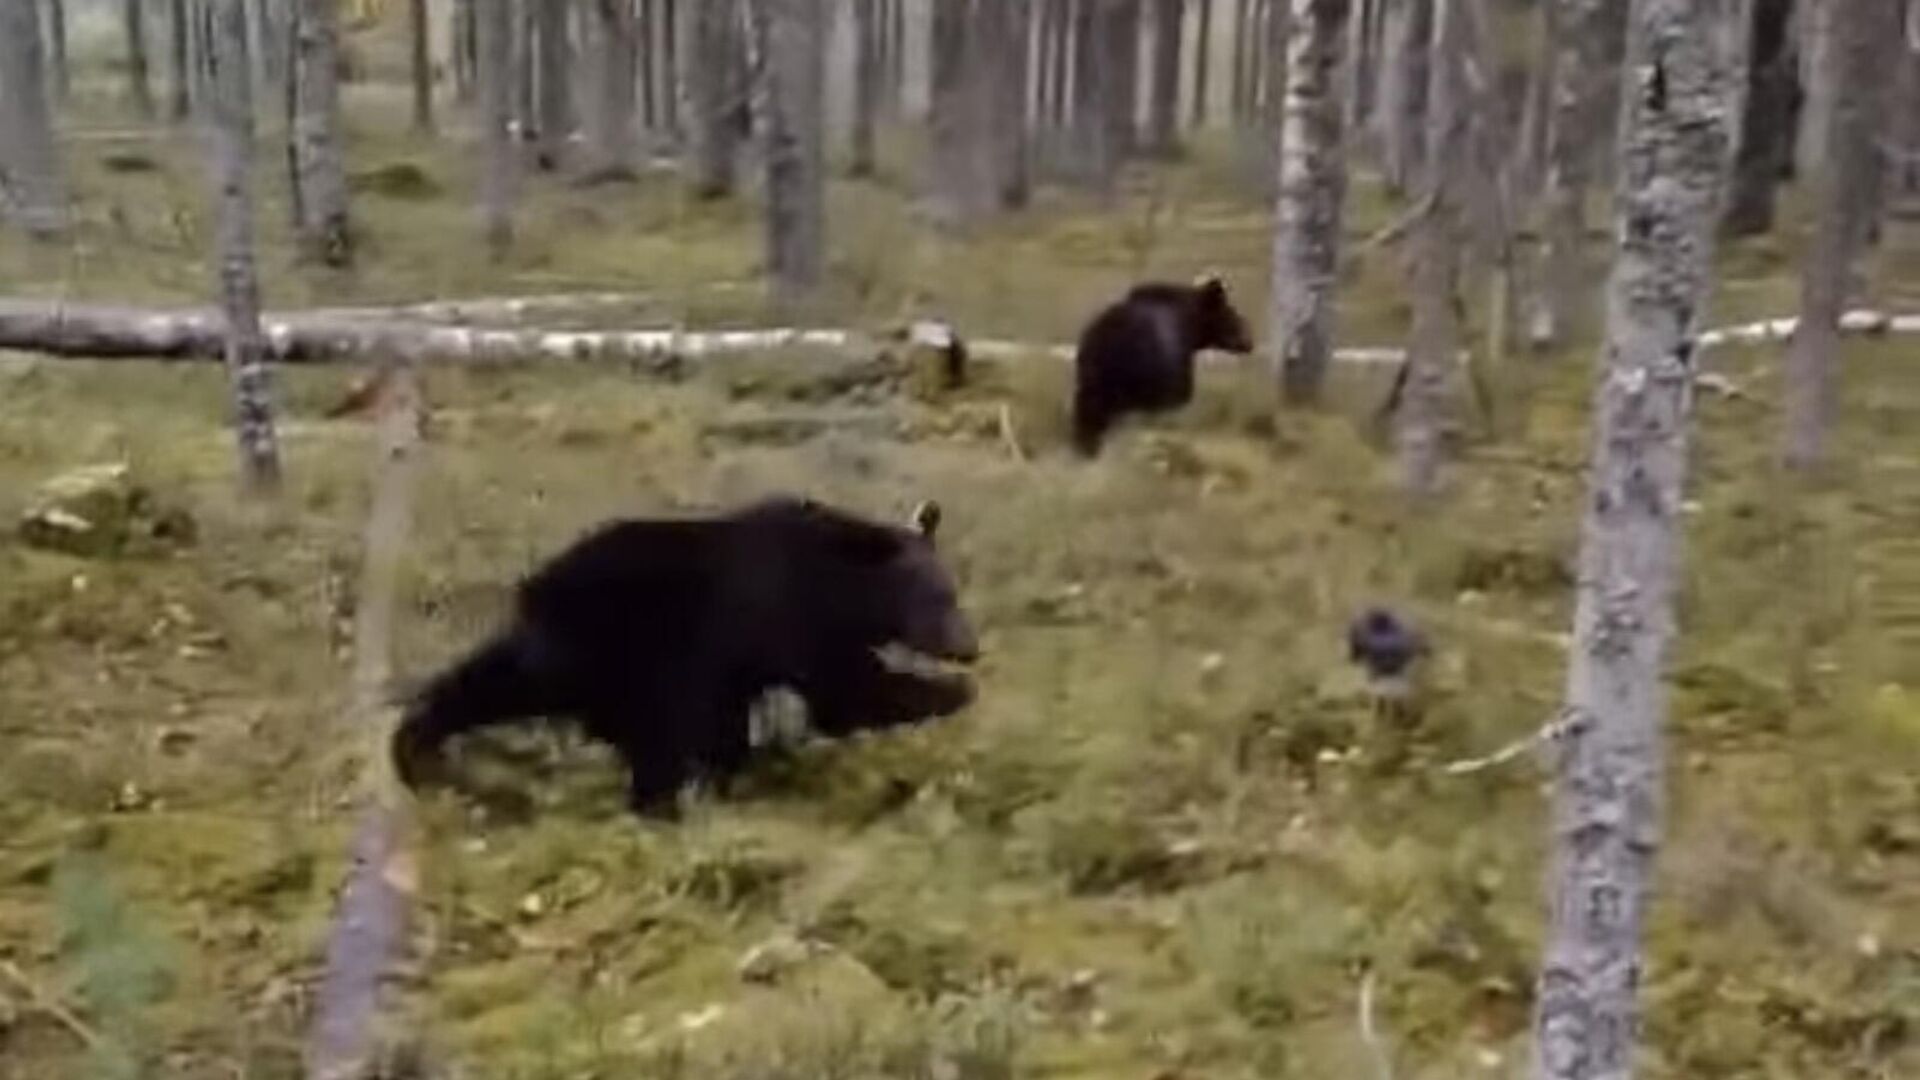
x=658, y=636
x=1136, y=356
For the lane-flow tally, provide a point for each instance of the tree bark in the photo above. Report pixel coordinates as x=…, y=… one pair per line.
x=30, y=185
x=139, y=89
x=1202, y=54
x=57, y=48
x=1671, y=179
x=610, y=119
x=1536, y=120
x=1815, y=34
x=795, y=55
x=325, y=231
x=647, y=29
x=1093, y=157
x=1903, y=165
x=465, y=49
x=1766, y=137
x=179, y=61
x=867, y=74
x=369, y=928
x=239, y=285
x=670, y=67
x=1163, y=113
x=715, y=96
x=420, y=66
x=1312, y=192
x=1403, y=92
x=1578, y=129
x=1011, y=42
x=554, y=61
x=1123, y=54
x=1852, y=78
x=493, y=27
x=965, y=99
x=1437, y=240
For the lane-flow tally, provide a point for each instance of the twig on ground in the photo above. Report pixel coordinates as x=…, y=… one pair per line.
x=1369, y=1036
x=1565, y=724
x=1008, y=436
x=50, y=1004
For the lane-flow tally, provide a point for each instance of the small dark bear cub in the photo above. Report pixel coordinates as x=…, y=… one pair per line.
x=1136, y=356
x=659, y=635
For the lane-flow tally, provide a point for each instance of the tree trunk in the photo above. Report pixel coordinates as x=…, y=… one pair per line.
x=1238, y=94
x=525, y=101
x=1903, y=165
x=139, y=91
x=1853, y=78
x=1536, y=121
x=30, y=186
x=965, y=99
x=1060, y=89
x=1012, y=43
x=795, y=58
x=266, y=40
x=1312, y=191
x=1437, y=241
x=1093, y=156
x=1163, y=114
x=1403, y=92
x=246, y=353
x=715, y=95
x=57, y=48
x=1580, y=75
x=1765, y=134
x=1123, y=54
x=670, y=68
x=1673, y=158
x=1202, y=53
x=610, y=118
x=1815, y=34
x=420, y=66
x=555, y=66
x=179, y=61
x=867, y=74
x=465, y=50
x=325, y=232
x=493, y=28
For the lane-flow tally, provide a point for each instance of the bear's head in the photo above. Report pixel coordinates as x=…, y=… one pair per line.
x=887, y=586
x=1216, y=323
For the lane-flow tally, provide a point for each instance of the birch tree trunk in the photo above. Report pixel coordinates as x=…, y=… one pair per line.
x=714, y=96
x=139, y=89
x=1536, y=120
x=420, y=65
x=1580, y=72
x=1402, y=115
x=1903, y=165
x=610, y=118
x=246, y=353
x=1163, y=112
x=795, y=57
x=30, y=186
x=1435, y=278
x=1671, y=179
x=325, y=233
x=1202, y=62
x=493, y=29
x=868, y=46
x=555, y=85
x=57, y=48
x=1312, y=193
x=1840, y=203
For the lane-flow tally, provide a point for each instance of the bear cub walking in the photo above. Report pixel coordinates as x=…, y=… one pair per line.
x=659, y=635
x=1136, y=356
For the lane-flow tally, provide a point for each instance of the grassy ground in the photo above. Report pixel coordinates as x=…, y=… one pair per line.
x=1165, y=843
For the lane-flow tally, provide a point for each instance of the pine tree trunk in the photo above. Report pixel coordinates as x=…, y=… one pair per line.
x=420, y=65
x=325, y=233
x=1202, y=54
x=867, y=74
x=555, y=87
x=1437, y=239
x=1008, y=128
x=57, y=48
x=139, y=90
x=714, y=96
x=1403, y=92
x=610, y=118
x=1853, y=76
x=1093, y=158
x=246, y=352
x=1671, y=179
x=1312, y=191
x=1765, y=134
x=1123, y=54
x=30, y=186
x=493, y=74
x=1579, y=127
x=795, y=57
x=1163, y=114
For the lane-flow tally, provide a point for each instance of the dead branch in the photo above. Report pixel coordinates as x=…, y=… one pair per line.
x=1369, y=1036
x=370, y=925
x=1559, y=729
x=48, y=1003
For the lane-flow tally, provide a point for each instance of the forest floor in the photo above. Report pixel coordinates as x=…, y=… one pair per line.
x=1170, y=840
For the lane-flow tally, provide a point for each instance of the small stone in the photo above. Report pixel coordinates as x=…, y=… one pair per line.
x=532, y=905
x=704, y=1018
x=1489, y=1059
x=1868, y=945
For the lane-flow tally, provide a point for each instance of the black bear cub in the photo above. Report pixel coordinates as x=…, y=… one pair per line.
x=1136, y=356
x=659, y=635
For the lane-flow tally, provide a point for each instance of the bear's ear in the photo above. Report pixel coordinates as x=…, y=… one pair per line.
x=1210, y=286
x=926, y=518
